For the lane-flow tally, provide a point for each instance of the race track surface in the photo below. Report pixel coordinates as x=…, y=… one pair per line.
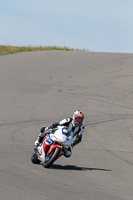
x=38, y=88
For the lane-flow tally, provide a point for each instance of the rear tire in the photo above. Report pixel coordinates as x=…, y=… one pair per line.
x=50, y=159
x=34, y=158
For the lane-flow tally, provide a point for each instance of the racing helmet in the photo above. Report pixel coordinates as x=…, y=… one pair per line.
x=78, y=117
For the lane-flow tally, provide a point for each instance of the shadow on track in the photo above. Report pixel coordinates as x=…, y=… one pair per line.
x=74, y=167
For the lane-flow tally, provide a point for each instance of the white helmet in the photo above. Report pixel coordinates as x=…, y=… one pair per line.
x=78, y=117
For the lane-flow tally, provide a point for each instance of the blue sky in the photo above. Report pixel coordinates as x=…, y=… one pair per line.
x=94, y=25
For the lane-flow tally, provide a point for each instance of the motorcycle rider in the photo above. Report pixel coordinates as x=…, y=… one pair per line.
x=74, y=124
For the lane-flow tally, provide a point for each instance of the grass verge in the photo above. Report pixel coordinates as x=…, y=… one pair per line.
x=15, y=49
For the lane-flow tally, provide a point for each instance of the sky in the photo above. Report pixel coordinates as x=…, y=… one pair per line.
x=94, y=25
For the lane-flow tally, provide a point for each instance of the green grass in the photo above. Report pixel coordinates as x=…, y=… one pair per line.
x=15, y=49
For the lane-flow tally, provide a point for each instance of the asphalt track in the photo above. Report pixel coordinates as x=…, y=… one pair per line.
x=38, y=88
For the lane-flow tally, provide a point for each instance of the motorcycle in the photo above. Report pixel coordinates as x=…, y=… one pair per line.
x=62, y=139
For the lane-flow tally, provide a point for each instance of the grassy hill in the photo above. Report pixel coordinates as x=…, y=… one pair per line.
x=15, y=49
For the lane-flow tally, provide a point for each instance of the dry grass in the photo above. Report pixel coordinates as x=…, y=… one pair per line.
x=15, y=49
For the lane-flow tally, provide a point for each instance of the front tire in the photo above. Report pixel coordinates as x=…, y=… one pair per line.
x=34, y=158
x=50, y=159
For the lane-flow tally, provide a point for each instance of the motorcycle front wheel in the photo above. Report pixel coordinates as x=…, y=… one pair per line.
x=49, y=160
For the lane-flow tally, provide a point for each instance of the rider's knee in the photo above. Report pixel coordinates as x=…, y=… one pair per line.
x=42, y=130
x=68, y=153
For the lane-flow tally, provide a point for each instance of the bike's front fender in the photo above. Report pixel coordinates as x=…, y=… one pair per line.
x=53, y=146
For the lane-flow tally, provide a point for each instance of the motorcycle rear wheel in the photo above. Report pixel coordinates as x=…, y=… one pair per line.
x=34, y=158
x=51, y=158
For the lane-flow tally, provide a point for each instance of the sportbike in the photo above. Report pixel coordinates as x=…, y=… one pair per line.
x=62, y=139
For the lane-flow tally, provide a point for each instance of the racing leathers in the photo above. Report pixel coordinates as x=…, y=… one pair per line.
x=77, y=132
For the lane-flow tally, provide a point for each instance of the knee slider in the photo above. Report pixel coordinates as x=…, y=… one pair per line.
x=68, y=153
